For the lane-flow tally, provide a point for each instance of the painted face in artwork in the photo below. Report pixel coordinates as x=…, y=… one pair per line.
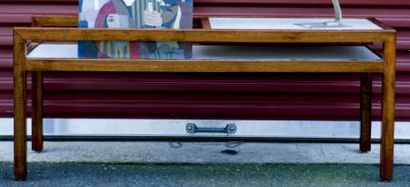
x=113, y=21
x=117, y=21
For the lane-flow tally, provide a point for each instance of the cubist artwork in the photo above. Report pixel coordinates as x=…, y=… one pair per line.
x=160, y=14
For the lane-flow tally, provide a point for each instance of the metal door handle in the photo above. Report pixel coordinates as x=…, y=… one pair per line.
x=192, y=128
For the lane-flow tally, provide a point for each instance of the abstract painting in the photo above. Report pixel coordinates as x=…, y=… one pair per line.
x=161, y=14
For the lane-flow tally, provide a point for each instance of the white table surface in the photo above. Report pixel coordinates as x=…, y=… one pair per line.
x=254, y=52
x=286, y=23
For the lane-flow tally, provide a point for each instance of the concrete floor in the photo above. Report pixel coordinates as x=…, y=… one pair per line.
x=203, y=164
x=203, y=153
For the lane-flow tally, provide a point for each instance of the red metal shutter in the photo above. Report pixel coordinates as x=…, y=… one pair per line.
x=241, y=96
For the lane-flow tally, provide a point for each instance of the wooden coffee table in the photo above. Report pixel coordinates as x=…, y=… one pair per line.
x=55, y=29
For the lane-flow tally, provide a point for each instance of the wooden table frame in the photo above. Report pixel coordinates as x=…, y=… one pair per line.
x=59, y=32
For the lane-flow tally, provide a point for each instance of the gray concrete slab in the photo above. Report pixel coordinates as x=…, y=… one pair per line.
x=163, y=152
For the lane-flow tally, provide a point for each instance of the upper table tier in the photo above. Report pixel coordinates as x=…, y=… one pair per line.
x=300, y=56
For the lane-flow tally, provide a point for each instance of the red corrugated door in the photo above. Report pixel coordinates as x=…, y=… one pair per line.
x=243, y=96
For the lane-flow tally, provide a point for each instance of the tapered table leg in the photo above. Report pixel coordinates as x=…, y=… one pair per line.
x=20, y=147
x=387, y=142
x=37, y=112
x=365, y=112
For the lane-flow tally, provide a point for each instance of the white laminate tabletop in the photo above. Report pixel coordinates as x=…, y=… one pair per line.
x=286, y=23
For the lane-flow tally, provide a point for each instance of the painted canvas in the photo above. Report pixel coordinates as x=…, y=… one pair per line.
x=161, y=14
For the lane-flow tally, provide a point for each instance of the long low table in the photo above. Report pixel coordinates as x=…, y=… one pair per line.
x=218, y=48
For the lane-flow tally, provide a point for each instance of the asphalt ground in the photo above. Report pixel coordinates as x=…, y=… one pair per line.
x=104, y=174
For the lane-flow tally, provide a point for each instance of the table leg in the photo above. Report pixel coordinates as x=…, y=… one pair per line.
x=365, y=112
x=387, y=141
x=37, y=111
x=20, y=101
